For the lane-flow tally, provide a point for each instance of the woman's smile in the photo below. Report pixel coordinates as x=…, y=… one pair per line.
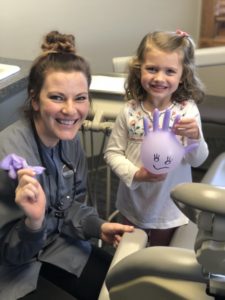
x=65, y=122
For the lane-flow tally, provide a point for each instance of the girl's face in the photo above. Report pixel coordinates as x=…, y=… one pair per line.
x=62, y=107
x=160, y=76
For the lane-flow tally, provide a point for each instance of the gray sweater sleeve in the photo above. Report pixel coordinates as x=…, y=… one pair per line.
x=20, y=244
x=82, y=222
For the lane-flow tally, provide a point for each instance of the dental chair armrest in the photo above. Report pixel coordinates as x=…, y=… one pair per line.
x=163, y=262
x=201, y=196
x=130, y=243
x=206, y=196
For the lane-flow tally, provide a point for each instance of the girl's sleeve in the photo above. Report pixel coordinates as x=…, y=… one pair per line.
x=115, y=153
x=197, y=156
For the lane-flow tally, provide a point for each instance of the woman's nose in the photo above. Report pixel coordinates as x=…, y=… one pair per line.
x=69, y=107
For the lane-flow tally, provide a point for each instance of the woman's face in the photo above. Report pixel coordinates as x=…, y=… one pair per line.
x=62, y=107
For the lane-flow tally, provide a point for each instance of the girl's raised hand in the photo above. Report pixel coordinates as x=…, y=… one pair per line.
x=187, y=127
x=30, y=197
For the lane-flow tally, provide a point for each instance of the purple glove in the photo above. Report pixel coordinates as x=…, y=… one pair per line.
x=13, y=163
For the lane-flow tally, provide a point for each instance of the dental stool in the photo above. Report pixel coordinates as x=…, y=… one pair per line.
x=193, y=270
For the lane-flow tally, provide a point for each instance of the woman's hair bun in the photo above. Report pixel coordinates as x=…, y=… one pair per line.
x=57, y=42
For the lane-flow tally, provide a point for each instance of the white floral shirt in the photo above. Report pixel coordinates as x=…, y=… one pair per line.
x=148, y=204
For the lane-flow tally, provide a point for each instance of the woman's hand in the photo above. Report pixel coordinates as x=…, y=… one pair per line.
x=112, y=232
x=187, y=127
x=31, y=198
x=144, y=175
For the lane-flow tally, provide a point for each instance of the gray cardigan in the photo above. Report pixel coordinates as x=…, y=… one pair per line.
x=61, y=241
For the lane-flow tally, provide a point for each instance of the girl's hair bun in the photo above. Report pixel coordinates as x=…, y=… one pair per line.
x=57, y=42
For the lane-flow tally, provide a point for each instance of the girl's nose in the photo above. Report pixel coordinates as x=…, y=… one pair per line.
x=159, y=76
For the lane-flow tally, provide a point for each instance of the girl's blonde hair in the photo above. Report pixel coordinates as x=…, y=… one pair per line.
x=190, y=87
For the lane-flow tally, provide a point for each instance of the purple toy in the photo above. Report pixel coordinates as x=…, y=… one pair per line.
x=161, y=151
x=12, y=163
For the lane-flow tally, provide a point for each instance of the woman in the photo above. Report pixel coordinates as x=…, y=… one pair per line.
x=44, y=223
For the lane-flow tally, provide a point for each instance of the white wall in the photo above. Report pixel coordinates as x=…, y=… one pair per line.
x=103, y=28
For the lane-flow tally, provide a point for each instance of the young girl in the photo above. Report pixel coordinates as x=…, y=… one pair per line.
x=162, y=75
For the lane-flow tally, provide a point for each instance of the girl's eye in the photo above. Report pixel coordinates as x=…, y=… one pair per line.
x=151, y=69
x=170, y=72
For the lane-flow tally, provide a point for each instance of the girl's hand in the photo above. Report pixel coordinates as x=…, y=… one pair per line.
x=112, y=232
x=187, y=127
x=30, y=197
x=144, y=175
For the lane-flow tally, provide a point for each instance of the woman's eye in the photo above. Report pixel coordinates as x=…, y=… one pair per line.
x=56, y=97
x=81, y=99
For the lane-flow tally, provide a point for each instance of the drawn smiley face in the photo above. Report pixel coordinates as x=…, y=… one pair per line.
x=161, y=152
x=161, y=163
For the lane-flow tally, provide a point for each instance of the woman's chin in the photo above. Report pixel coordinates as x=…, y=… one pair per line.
x=67, y=135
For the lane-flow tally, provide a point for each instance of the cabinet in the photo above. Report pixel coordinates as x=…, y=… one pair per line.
x=212, y=23
x=13, y=91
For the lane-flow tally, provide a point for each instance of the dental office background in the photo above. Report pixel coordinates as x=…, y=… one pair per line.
x=103, y=28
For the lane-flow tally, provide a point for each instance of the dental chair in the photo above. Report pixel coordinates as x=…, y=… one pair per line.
x=121, y=63
x=193, y=266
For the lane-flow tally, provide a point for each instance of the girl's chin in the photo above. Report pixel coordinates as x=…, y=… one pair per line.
x=157, y=102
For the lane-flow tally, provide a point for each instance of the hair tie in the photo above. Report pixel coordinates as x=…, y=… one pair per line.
x=182, y=33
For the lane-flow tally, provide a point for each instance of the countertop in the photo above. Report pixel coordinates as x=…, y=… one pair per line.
x=16, y=82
